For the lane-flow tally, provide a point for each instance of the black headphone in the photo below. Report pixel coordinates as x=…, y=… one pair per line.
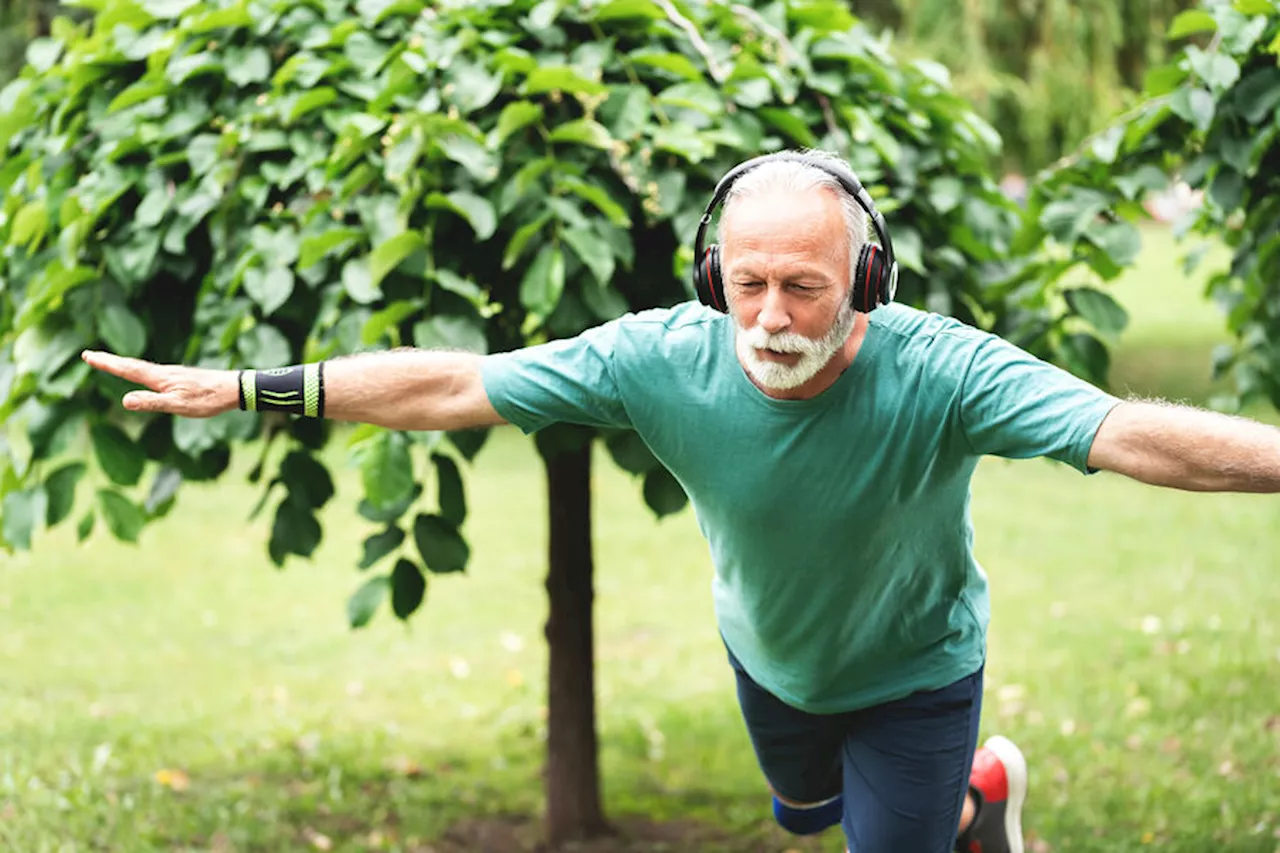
x=875, y=276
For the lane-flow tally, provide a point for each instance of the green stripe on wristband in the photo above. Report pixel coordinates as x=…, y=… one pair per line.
x=248, y=391
x=311, y=390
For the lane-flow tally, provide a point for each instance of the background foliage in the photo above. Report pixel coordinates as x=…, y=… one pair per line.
x=1210, y=118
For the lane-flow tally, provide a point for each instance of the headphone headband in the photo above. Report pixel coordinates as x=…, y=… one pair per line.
x=848, y=181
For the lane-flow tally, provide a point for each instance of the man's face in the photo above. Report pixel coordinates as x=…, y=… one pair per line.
x=786, y=272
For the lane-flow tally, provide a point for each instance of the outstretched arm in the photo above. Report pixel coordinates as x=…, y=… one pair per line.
x=1186, y=448
x=400, y=389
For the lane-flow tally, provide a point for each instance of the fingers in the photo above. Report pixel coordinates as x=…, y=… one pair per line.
x=133, y=369
x=147, y=401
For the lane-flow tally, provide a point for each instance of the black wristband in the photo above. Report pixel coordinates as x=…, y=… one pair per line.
x=297, y=390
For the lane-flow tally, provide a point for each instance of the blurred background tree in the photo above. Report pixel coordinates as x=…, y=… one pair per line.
x=1044, y=73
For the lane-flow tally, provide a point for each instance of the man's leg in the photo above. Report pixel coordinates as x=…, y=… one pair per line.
x=906, y=768
x=799, y=754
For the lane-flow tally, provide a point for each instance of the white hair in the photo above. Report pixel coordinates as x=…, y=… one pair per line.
x=796, y=176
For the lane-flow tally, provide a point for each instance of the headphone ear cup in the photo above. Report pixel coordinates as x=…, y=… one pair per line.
x=707, y=281
x=870, y=279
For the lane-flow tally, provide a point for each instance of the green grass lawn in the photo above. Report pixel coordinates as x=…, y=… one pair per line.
x=185, y=695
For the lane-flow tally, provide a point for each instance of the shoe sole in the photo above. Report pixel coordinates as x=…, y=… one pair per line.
x=1015, y=769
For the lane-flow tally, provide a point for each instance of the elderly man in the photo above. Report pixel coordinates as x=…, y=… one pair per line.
x=826, y=438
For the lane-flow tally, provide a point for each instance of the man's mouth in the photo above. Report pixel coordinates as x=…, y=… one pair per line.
x=777, y=355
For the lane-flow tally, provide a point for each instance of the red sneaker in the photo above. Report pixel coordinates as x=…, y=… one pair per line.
x=999, y=784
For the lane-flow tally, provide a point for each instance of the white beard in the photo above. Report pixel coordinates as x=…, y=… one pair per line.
x=814, y=353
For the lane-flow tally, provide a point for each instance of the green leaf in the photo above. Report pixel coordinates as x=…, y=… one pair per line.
x=294, y=531
x=163, y=489
x=22, y=512
x=85, y=527
x=561, y=78
x=307, y=479
x=790, y=124
x=1099, y=309
x=118, y=456
x=468, y=441
x=387, y=255
x=683, y=140
x=1219, y=71
x=1194, y=105
x=167, y=10
x=336, y=241
x=480, y=162
x=583, y=131
x=313, y=99
x=122, y=330
x=473, y=86
x=1145, y=178
x=1163, y=79
x=389, y=318
x=407, y=588
x=379, y=545
x=1256, y=7
x=203, y=153
x=514, y=116
x=1258, y=95
x=526, y=232
x=1122, y=241
x=629, y=452
x=29, y=224
x=270, y=288
x=1227, y=189
x=626, y=112
x=663, y=493
x=946, y=193
x=124, y=518
x=594, y=252
x=43, y=53
x=358, y=283
x=386, y=468
x=1190, y=22
x=386, y=515
x=442, y=548
x=252, y=66
x=1066, y=219
x=695, y=96
x=366, y=600
x=616, y=9
x=61, y=490
x=1086, y=356
x=451, y=496
x=265, y=346
x=675, y=63
x=543, y=282
x=598, y=197
x=451, y=332
x=477, y=210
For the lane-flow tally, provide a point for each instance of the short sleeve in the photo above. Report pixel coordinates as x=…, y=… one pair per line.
x=1012, y=404
x=565, y=381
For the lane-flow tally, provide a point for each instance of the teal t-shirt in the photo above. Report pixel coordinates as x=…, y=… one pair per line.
x=838, y=526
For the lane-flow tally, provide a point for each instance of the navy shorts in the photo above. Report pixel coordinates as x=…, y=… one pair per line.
x=902, y=767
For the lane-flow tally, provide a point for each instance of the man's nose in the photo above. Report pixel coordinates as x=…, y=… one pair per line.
x=773, y=317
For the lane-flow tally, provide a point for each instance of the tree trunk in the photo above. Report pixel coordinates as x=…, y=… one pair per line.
x=572, y=776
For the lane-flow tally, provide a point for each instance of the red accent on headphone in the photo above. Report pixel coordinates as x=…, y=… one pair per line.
x=711, y=285
x=866, y=285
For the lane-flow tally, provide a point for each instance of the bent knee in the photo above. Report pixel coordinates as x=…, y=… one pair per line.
x=807, y=818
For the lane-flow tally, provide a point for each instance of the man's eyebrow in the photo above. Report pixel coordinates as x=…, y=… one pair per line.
x=748, y=273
